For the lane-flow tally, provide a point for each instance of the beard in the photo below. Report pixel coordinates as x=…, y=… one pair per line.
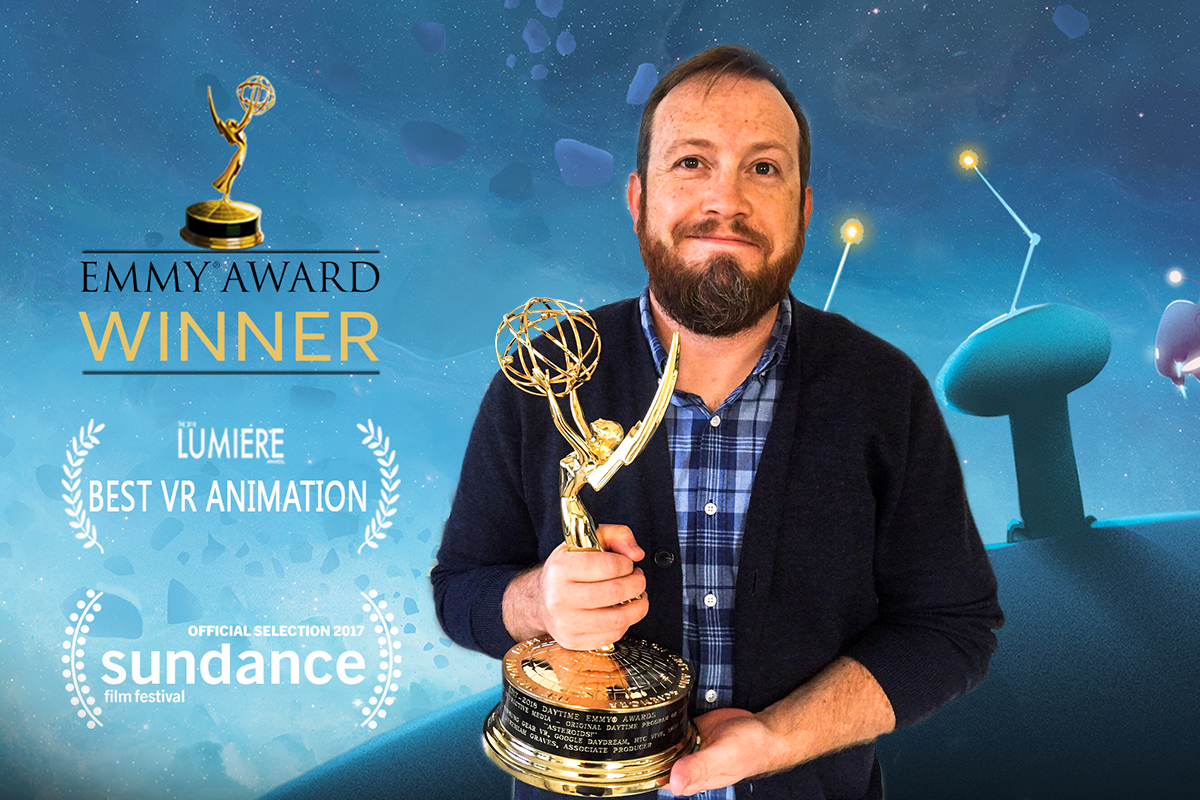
x=716, y=297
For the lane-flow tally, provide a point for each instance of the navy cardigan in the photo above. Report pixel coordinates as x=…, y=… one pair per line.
x=858, y=537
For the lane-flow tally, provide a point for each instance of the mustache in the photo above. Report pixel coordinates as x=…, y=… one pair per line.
x=738, y=228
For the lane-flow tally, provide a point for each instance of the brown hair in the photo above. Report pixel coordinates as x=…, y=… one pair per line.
x=727, y=60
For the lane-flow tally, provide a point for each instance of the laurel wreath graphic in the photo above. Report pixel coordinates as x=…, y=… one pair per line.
x=380, y=445
x=388, y=659
x=81, y=445
x=80, y=691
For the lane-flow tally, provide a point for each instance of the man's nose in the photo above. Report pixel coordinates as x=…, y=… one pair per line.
x=725, y=193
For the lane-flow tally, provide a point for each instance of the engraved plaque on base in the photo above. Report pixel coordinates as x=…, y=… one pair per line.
x=592, y=723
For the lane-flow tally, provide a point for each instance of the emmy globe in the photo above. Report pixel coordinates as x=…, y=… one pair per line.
x=602, y=722
x=224, y=224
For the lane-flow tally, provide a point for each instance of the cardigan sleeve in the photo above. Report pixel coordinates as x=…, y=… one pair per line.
x=489, y=536
x=937, y=606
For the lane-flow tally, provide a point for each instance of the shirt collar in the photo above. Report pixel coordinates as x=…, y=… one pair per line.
x=772, y=354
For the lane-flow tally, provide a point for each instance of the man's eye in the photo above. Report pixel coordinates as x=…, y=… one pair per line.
x=691, y=162
x=764, y=168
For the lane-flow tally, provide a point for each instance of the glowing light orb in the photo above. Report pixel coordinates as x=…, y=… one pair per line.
x=852, y=231
x=968, y=160
x=1175, y=277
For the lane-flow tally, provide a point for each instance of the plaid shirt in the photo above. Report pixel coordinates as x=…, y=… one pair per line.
x=715, y=456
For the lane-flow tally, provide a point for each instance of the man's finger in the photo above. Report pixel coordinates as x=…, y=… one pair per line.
x=619, y=539
x=602, y=594
x=687, y=772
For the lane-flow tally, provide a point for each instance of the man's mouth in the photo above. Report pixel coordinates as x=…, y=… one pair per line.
x=724, y=240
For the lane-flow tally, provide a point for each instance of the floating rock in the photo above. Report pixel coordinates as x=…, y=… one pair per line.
x=428, y=646
x=535, y=36
x=514, y=182
x=410, y=628
x=344, y=80
x=5, y=550
x=167, y=530
x=310, y=398
x=430, y=35
x=229, y=601
x=219, y=95
x=301, y=229
x=49, y=480
x=538, y=73
x=212, y=550
x=511, y=3
x=332, y=562
x=262, y=536
x=642, y=84
x=440, y=661
x=428, y=143
x=118, y=565
x=340, y=524
x=362, y=581
x=226, y=518
x=209, y=468
x=393, y=571
x=18, y=515
x=410, y=606
x=117, y=618
x=182, y=605
x=424, y=535
x=277, y=566
x=565, y=43
x=511, y=61
x=444, y=641
x=184, y=557
x=154, y=239
x=245, y=548
x=255, y=569
x=581, y=164
x=550, y=8
x=301, y=553
x=1071, y=22
x=416, y=573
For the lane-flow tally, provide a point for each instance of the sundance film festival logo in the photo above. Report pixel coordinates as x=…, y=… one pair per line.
x=141, y=677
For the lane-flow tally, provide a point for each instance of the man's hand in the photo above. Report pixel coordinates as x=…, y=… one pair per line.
x=841, y=706
x=734, y=744
x=578, y=596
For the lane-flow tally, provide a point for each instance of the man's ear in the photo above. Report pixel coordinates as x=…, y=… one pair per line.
x=633, y=196
x=807, y=205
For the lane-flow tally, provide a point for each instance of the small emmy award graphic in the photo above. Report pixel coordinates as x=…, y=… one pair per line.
x=594, y=723
x=224, y=224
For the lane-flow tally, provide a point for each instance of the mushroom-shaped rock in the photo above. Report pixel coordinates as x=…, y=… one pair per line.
x=1024, y=364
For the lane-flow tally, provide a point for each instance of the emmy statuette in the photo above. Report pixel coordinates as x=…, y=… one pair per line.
x=594, y=723
x=224, y=224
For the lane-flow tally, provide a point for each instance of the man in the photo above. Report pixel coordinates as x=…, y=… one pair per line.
x=811, y=550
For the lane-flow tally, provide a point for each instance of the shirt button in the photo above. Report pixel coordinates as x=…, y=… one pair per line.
x=710, y=599
x=664, y=558
x=710, y=508
x=710, y=696
x=715, y=421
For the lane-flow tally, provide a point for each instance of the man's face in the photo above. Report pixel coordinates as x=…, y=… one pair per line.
x=721, y=218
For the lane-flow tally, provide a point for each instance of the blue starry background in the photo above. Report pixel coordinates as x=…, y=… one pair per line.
x=440, y=153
